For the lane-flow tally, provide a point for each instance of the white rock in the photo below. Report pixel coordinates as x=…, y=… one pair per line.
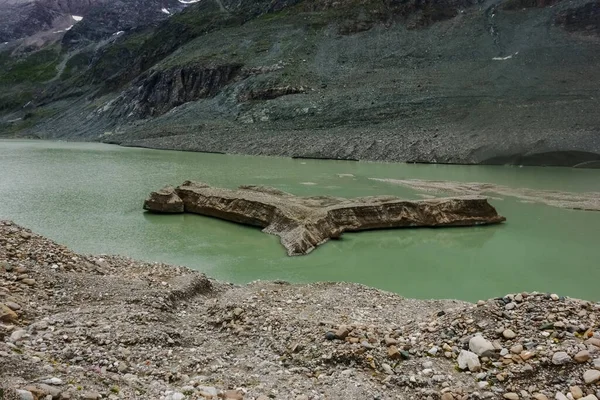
x=560, y=358
x=589, y=397
x=17, y=335
x=467, y=359
x=479, y=345
x=591, y=376
x=52, y=381
x=560, y=396
x=25, y=395
x=208, y=389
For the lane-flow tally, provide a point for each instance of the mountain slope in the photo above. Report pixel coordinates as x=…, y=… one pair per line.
x=459, y=81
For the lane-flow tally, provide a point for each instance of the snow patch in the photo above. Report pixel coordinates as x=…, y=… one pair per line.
x=505, y=58
x=188, y=1
x=69, y=28
x=118, y=33
x=76, y=17
x=165, y=11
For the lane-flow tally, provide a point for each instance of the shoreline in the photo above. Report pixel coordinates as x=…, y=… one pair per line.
x=587, y=165
x=76, y=326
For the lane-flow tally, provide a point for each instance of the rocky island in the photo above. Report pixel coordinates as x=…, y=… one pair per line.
x=303, y=223
x=76, y=326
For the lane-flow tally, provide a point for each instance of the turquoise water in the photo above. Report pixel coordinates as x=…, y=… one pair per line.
x=88, y=196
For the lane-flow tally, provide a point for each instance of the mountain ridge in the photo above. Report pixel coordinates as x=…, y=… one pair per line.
x=459, y=81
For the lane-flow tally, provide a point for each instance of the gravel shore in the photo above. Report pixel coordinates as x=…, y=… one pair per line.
x=93, y=327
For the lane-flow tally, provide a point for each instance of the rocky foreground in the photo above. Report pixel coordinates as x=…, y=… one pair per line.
x=89, y=327
x=303, y=223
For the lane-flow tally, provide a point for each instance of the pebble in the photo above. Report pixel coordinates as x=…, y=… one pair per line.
x=25, y=395
x=510, y=306
x=53, y=381
x=576, y=392
x=233, y=395
x=17, y=335
x=509, y=334
x=28, y=281
x=589, y=397
x=560, y=396
x=13, y=306
x=582, y=356
x=6, y=314
x=91, y=396
x=540, y=396
x=560, y=358
x=591, y=376
x=517, y=349
x=342, y=332
x=511, y=396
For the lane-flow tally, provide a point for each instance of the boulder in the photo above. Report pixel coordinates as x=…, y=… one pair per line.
x=480, y=346
x=467, y=359
x=303, y=223
x=164, y=200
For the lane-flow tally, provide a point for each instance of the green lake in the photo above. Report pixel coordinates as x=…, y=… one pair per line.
x=89, y=197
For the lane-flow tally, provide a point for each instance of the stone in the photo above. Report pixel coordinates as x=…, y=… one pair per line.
x=576, y=392
x=342, y=332
x=582, y=356
x=233, y=395
x=480, y=346
x=53, y=381
x=13, y=306
x=17, y=335
x=560, y=396
x=303, y=223
x=390, y=341
x=447, y=396
x=511, y=396
x=591, y=376
x=540, y=396
x=590, y=397
x=393, y=352
x=91, y=396
x=516, y=349
x=28, y=281
x=467, y=359
x=593, y=341
x=50, y=390
x=25, y=395
x=164, y=200
x=597, y=363
x=6, y=314
x=509, y=334
x=510, y=306
x=560, y=358
x=526, y=355
x=177, y=396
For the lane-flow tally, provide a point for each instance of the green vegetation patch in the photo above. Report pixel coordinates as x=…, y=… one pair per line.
x=35, y=67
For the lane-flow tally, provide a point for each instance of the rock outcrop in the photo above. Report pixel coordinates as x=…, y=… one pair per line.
x=303, y=223
x=164, y=200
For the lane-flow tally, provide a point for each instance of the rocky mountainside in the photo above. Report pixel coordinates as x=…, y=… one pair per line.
x=453, y=81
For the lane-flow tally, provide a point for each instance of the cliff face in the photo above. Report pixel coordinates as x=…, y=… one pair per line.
x=154, y=93
x=453, y=81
